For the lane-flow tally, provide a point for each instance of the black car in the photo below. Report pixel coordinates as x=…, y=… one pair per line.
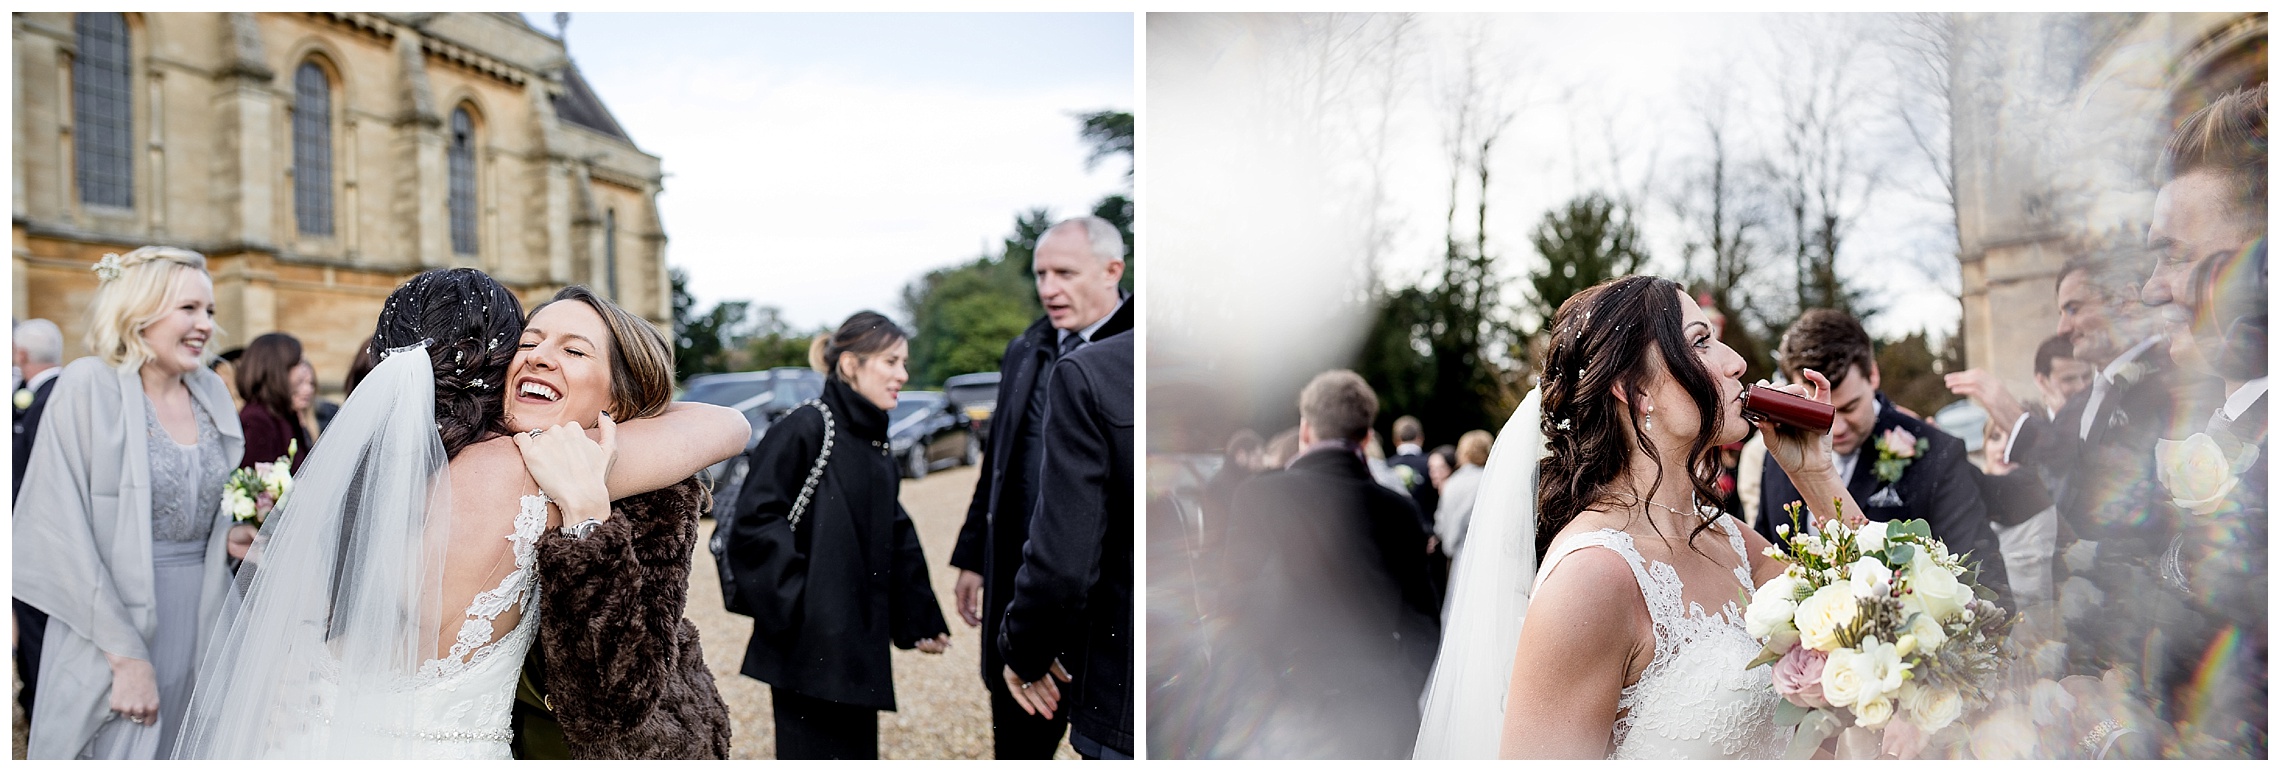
x=926, y=434
x=975, y=396
x=763, y=396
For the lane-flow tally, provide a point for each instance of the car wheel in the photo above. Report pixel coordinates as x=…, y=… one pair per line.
x=724, y=491
x=973, y=455
x=914, y=462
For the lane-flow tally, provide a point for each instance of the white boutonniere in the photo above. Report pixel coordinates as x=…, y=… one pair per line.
x=2199, y=471
x=23, y=399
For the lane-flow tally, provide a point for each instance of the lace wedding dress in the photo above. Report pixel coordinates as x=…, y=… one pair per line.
x=1696, y=699
x=459, y=706
x=329, y=647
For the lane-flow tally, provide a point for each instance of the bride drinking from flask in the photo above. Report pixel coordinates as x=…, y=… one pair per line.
x=1634, y=644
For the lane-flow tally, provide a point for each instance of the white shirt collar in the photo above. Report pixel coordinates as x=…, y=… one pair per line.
x=1407, y=448
x=47, y=375
x=2115, y=367
x=1089, y=329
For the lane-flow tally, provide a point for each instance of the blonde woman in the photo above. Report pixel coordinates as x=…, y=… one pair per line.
x=119, y=531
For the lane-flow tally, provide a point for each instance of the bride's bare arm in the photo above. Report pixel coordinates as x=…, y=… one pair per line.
x=657, y=452
x=1585, y=627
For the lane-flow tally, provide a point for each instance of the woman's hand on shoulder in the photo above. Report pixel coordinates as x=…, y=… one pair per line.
x=571, y=467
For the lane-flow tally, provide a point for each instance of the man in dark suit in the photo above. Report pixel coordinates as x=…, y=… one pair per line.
x=1077, y=265
x=1070, y=618
x=38, y=348
x=1333, y=608
x=1409, y=455
x=1937, y=485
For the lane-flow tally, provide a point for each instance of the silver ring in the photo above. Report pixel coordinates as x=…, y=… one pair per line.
x=535, y=432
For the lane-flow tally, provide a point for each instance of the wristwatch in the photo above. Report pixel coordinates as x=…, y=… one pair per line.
x=580, y=529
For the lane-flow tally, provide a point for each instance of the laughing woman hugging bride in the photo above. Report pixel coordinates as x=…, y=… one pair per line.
x=1633, y=644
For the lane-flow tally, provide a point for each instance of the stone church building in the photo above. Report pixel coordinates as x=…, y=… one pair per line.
x=2059, y=120
x=318, y=160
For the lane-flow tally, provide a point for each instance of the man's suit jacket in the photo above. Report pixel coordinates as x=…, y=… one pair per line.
x=1072, y=598
x=1332, y=599
x=1420, y=483
x=1940, y=487
x=997, y=519
x=28, y=429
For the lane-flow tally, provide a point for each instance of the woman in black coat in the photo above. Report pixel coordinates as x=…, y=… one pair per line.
x=829, y=560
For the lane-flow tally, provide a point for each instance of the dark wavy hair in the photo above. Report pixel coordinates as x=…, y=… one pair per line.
x=265, y=373
x=474, y=324
x=1601, y=341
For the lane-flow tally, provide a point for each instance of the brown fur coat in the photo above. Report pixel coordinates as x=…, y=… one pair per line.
x=624, y=673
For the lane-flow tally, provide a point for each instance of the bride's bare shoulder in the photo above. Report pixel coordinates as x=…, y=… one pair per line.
x=489, y=476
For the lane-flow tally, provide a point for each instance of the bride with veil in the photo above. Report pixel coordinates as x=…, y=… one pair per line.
x=1638, y=648
x=386, y=605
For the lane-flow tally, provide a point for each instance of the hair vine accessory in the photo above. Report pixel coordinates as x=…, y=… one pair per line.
x=424, y=343
x=108, y=269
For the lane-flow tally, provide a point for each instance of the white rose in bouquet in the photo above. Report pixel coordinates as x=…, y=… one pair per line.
x=1932, y=709
x=1943, y=595
x=1771, y=610
x=1821, y=617
x=1840, y=680
x=1871, y=537
x=2197, y=473
x=241, y=505
x=1925, y=628
x=1873, y=714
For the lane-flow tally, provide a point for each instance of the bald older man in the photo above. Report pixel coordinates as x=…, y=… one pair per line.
x=1077, y=266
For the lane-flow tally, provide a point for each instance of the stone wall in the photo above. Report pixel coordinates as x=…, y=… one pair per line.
x=213, y=100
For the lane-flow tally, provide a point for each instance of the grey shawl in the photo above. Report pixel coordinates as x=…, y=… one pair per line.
x=83, y=542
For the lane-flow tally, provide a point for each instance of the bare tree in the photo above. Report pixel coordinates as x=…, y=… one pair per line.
x=1723, y=215
x=1821, y=169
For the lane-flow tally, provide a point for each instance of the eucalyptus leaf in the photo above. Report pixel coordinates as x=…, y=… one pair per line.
x=1899, y=554
x=1786, y=713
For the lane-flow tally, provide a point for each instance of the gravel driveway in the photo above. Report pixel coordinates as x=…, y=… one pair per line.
x=945, y=713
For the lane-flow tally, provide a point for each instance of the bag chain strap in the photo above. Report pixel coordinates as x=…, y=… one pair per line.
x=815, y=475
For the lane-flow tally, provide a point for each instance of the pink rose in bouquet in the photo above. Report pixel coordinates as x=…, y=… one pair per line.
x=1797, y=676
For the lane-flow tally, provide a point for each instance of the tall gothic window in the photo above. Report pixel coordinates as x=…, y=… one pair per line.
x=312, y=150
x=462, y=182
x=609, y=252
x=102, y=115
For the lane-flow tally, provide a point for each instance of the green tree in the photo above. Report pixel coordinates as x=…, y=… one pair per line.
x=963, y=316
x=1587, y=241
x=1913, y=375
x=1110, y=132
x=702, y=342
x=772, y=342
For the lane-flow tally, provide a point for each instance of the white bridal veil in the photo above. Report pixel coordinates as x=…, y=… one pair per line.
x=1488, y=597
x=340, y=591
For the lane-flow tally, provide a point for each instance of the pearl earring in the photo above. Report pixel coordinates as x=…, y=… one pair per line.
x=1650, y=423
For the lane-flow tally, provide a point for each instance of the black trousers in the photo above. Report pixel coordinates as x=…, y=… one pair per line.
x=1018, y=735
x=811, y=728
x=31, y=630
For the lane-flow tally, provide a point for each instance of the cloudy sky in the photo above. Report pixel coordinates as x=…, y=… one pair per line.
x=819, y=162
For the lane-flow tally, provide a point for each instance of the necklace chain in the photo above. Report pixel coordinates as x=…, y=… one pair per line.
x=1695, y=500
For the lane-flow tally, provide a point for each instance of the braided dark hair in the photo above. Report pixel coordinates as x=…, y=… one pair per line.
x=1601, y=339
x=474, y=324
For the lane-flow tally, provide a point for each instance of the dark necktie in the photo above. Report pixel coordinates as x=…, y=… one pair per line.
x=1071, y=343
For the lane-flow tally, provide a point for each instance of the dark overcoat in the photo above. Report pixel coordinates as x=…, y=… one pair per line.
x=831, y=594
x=1072, y=598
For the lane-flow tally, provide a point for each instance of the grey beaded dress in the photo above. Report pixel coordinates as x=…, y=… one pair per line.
x=186, y=484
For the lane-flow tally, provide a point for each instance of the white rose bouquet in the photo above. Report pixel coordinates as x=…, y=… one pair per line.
x=251, y=494
x=1878, y=633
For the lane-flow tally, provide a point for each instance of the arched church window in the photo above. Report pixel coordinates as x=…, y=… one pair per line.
x=462, y=171
x=102, y=115
x=312, y=150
